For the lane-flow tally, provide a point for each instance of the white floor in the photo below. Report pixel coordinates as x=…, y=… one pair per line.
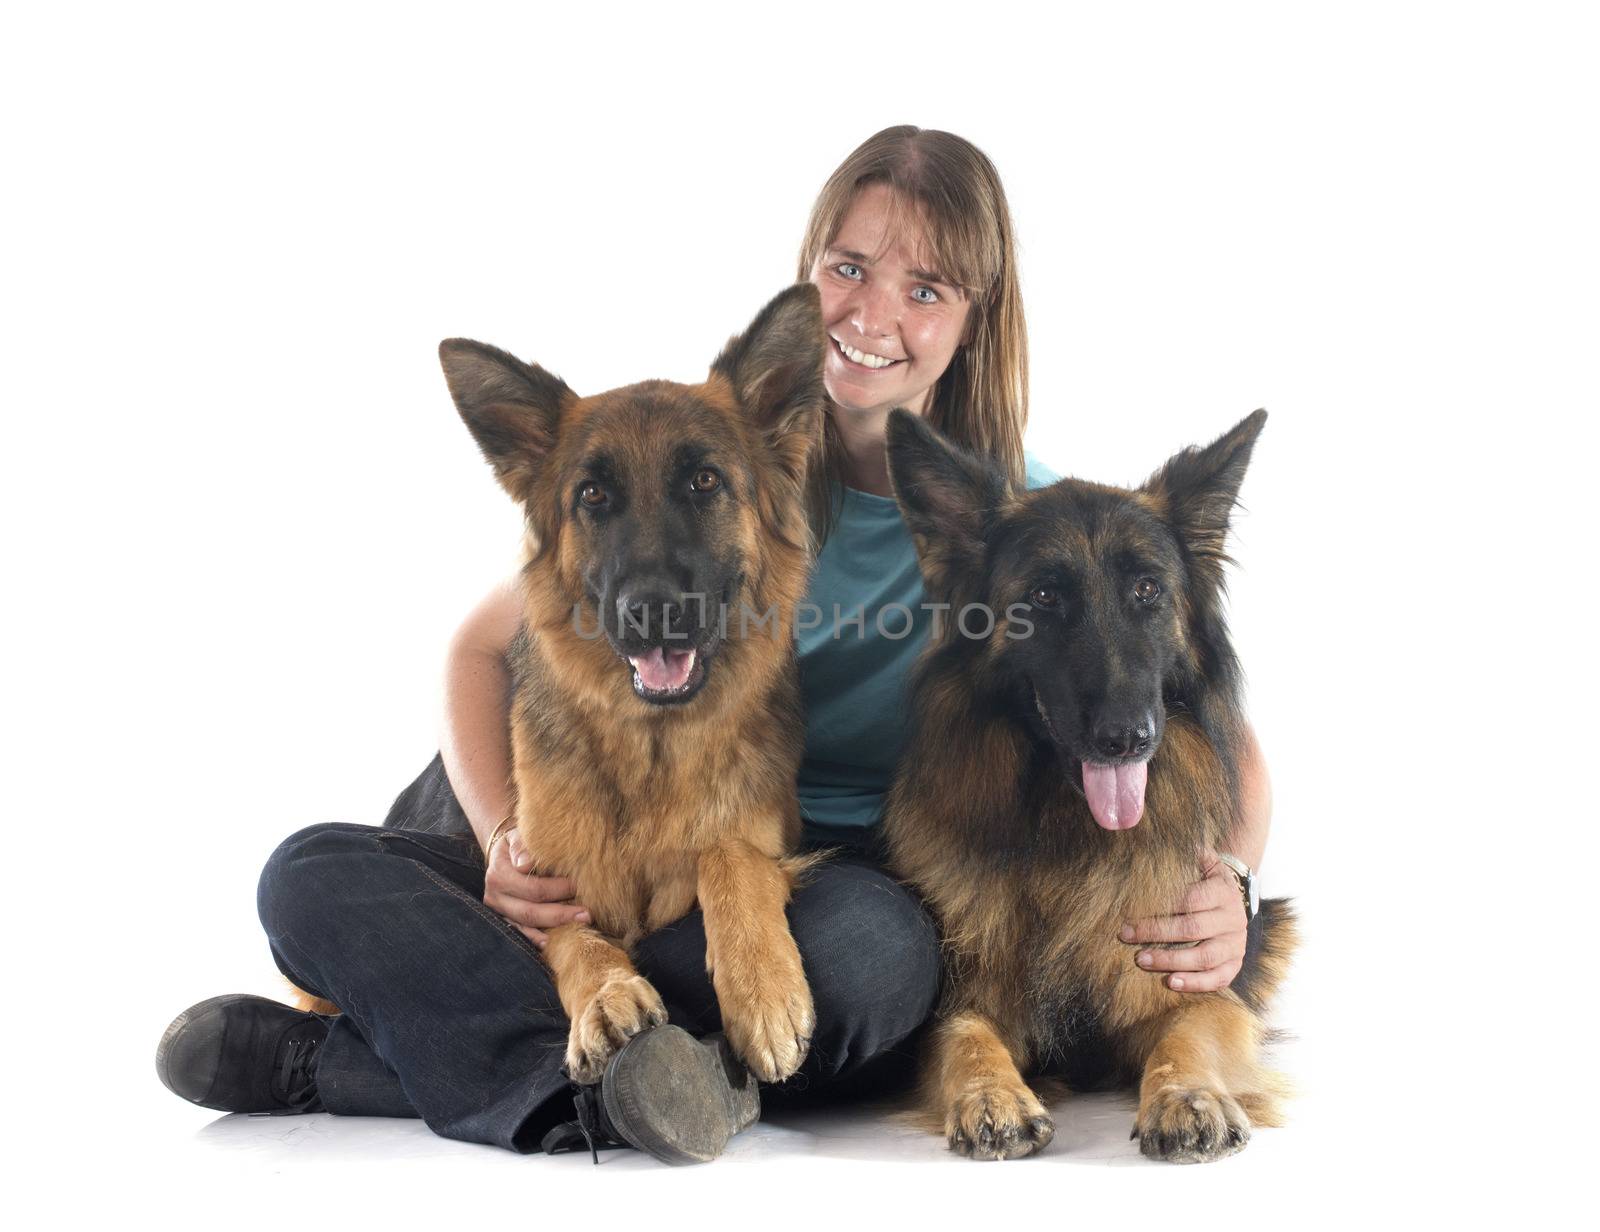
x=1329, y=1168
x=854, y=1167
x=1357, y=1152
x=1396, y=1121
x=1091, y=1130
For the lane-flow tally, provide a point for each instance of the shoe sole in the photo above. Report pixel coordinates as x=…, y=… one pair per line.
x=678, y=1099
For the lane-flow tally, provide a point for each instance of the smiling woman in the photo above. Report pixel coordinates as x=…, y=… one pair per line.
x=911, y=244
x=894, y=323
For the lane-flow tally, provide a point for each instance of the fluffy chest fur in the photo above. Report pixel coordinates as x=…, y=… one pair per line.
x=625, y=800
x=1031, y=893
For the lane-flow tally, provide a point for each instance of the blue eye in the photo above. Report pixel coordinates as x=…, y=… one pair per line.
x=848, y=270
x=925, y=295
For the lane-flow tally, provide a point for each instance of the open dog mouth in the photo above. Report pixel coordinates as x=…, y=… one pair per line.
x=662, y=674
x=1114, y=790
x=669, y=659
x=667, y=675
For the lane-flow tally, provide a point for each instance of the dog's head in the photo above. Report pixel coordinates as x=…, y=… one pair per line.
x=1106, y=602
x=651, y=508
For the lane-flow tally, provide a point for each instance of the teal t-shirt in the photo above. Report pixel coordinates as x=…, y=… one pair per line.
x=858, y=634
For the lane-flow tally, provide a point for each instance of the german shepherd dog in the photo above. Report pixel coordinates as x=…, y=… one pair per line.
x=1062, y=773
x=655, y=742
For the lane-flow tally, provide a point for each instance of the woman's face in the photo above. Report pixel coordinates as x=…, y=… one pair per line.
x=894, y=321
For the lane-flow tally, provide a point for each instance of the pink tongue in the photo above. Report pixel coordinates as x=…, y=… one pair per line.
x=1116, y=794
x=661, y=669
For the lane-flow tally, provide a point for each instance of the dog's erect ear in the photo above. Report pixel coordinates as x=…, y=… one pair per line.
x=775, y=368
x=947, y=497
x=1198, y=487
x=511, y=408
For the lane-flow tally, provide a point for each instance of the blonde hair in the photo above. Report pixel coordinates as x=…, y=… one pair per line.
x=953, y=192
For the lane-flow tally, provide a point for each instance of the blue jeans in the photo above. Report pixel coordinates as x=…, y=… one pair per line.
x=450, y=1014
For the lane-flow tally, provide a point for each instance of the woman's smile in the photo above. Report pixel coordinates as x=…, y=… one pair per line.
x=864, y=359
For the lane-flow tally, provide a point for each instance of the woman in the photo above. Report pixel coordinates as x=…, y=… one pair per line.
x=448, y=1013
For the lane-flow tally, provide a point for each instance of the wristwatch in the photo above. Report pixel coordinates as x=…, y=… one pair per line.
x=1248, y=890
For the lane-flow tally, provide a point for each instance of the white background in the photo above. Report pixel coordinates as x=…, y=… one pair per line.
x=242, y=518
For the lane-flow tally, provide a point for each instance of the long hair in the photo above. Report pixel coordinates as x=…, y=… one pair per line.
x=951, y=189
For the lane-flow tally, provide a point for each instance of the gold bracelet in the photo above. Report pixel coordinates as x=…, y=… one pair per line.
x=499, y=832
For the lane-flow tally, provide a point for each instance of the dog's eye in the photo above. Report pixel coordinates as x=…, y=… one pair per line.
x=706, y=480
x=1045, y=596
x=592, y=495
x=1147, y=590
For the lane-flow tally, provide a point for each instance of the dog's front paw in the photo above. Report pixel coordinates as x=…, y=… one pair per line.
x=769, y=1018
x=998, y=1122
x=620, y=1009
x=1191, y=1125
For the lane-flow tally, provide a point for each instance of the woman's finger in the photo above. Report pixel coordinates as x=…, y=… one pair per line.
x=1214, y=891
x=536, y=915
x=554, y=915
x=520, y=859
x=538, y=889
x=515, y=874
x=502, y=878
x=1205, y=981
x=1215, y=952
x=508, y=910
x=1190, y=926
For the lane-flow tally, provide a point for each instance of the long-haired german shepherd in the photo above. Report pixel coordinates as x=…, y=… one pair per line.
x=656, y=732
x=1062, y=773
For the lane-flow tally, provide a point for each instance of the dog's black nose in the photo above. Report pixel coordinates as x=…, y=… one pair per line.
x=650, y=613
x=1113, y=741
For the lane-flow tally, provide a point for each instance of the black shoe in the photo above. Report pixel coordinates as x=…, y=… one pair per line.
x=240, y=1053
x=665, y=1093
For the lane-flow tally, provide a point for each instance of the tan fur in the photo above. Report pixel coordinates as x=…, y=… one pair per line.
x=308, y=1004
x=1007, y=929
x=971, y=1075
x=606, y=1000
x=988, y=819
x=650, y=810
x=753, y=961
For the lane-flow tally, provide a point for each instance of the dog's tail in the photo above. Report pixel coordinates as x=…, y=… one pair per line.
x=1264, y=1104
x=797, y=868
x=1266, y=966
x=1274, y=936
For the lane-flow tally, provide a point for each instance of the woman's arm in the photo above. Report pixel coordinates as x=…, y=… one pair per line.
x=1249, y=839
x=476, y=740
x=1212, y=912
x=476, y=747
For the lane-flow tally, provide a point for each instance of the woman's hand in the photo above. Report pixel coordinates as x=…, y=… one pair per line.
x=532, y=903
x=1212, y=915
